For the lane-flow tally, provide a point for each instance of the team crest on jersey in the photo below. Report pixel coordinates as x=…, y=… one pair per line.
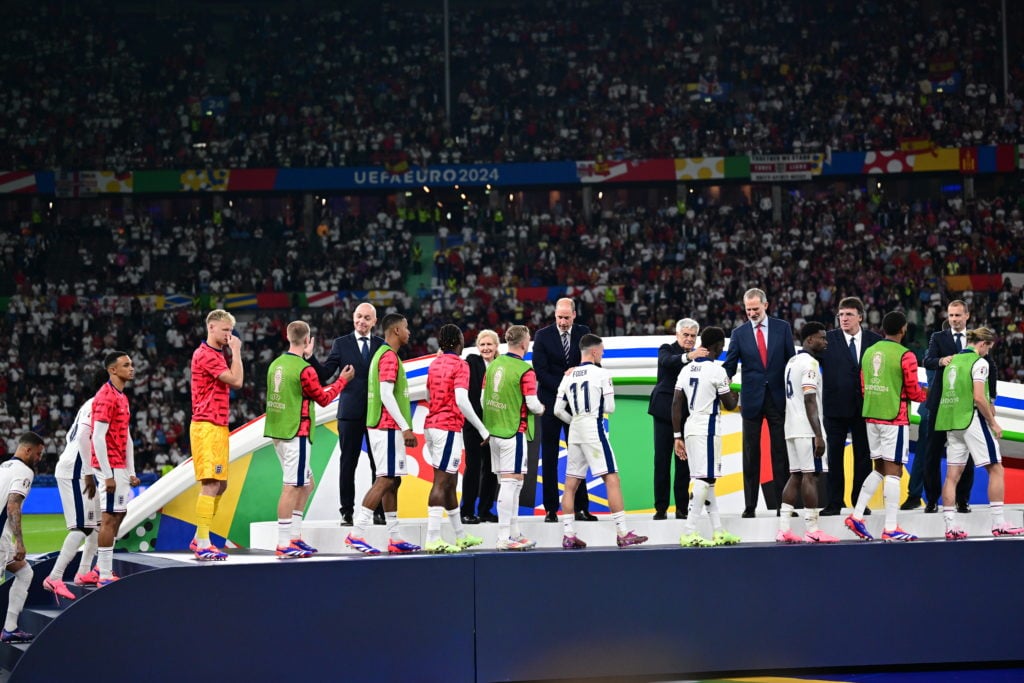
x=25, y=483
x=218, y=469
x=120, y=501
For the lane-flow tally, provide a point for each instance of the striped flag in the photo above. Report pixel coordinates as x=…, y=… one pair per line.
x=17, y=181
x=175, y=301
x=321, y=299
x=240, y=300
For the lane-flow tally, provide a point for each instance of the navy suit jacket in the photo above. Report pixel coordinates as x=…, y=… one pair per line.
x=840, y=376
x=671, y=359
x=756, y=377
x=346, y=351
x=549, y=359
x=941, y=345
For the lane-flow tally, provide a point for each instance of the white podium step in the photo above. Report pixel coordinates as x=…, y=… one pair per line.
x=328, y=536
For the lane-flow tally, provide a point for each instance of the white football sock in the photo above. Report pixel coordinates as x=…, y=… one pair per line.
x=67, y=551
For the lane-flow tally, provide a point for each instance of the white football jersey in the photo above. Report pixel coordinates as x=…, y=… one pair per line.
x=802, y=377
x=702, y=382
x=15, y=477
x=586, y=394
x=65, y=468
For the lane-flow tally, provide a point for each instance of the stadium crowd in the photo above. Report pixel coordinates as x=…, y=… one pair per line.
x=190, y=86
x=634, y=271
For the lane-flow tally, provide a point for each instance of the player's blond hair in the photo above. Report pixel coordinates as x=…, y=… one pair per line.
x=298, y=332
x=218, y=315
x=981, y=334
x=517, y=335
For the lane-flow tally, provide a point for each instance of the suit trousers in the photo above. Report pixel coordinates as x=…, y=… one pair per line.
x=664, y=456
x=933, y=468
x=478, y=482
x=350, y=444
x=551, y=430
x=752, y=456
x=836, y=429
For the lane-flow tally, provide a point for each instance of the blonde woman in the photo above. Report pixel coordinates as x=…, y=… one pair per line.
x=478, y=481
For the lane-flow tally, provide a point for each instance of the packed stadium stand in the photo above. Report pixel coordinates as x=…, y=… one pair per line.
x=260, y=85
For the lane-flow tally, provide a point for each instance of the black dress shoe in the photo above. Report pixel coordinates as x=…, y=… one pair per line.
x=585, y=516
x=470, y=519
x=963, y=508
x=830, y=511
x=867, y=511
x=346, y=519
x=680, y=514
x=551, y=517
x=931, y=507
x=660, y=514
x=748, y=513
x=911, y=503
x=379, y=519
x=488, y=517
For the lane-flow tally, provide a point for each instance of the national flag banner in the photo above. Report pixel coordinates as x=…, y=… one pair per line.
x=640, y=170
x=382, y=297
x=918, y=143
x=148, y=302
x=700, y=168
x=397, y=167
x=710, y=88
x=202, y=180
x=252, y=179
x=889, y=161
x=114, y=182
x=171, y=301
x=241, y=300
x=321, y=299
x=274, y=300
x=969, y=160
x=76, y=184
x=23, y=182
x=532, y=293
x=1006, y=158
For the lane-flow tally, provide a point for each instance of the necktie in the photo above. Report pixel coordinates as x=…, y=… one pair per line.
x=366, y=349
x=565, y=346
x=959, y=342
x=853, y=351
x=762, y=348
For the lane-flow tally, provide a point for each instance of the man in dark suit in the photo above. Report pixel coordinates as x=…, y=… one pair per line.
x=355, y=349
x=763, y=347
x=671, y=359
x=556, y=348
x=942, y=347
x=842, y=402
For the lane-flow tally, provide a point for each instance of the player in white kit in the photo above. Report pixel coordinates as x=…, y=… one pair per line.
x=76, y=484
x=704, y=385
x=584, y=396
x=16, y=477
x=805, y=437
